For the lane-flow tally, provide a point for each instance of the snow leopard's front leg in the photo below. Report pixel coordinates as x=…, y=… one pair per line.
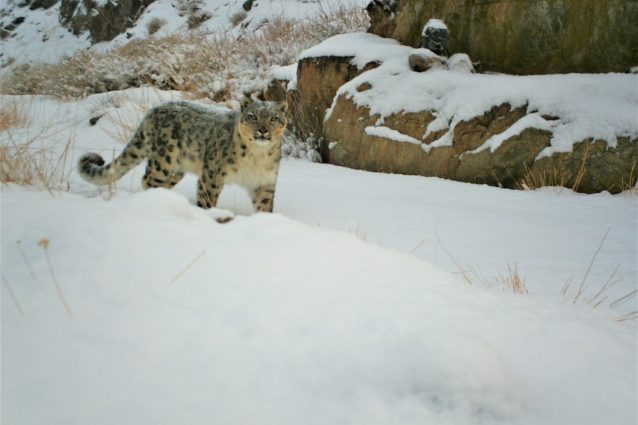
x=263, y=198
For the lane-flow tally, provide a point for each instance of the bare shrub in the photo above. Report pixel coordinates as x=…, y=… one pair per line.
x=535, y=180
x=13, y=115
x=630, y=184
x=154, y=25
x=602, y=295
x=26, y=157
x=512, y=281
x=238, y=17
x=23, y=164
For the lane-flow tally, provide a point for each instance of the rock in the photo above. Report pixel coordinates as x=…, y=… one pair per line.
x=523, y=36
x=423, y=59
x=103, y=20
x=460, y=62
x=381, y=13
x=94, y=119
x=247, y=5
x=591, y=167
x=318, y=79
x=434, y=37
x=41, y=4
x=276, y=91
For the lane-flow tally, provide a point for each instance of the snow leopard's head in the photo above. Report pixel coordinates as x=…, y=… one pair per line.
x=263, y=123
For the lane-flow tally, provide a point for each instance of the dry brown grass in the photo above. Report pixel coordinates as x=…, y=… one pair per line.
x=630, y=184
x=13, y=115
x=30, y=166
x=44, y=244
x=512, y=281
x=27, y=157
x=601, y=296
x=546, y=178
x=536, y=179
x=533, y=180
x=12, y=294
x=154, y=25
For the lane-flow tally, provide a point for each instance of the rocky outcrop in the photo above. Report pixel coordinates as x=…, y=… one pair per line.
x=103, y=20
x=318, y=80
x=522, y=36
x=405, y=112
x=591, y=167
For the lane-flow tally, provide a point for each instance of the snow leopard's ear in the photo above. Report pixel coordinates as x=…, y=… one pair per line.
x=283, y=106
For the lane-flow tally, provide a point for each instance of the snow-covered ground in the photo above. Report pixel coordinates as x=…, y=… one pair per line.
x=341, y=308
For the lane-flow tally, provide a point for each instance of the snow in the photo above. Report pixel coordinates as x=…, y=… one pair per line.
x=39, y=38
x=363, y=47
x=598, y=106
x=460, y=62
x=528, y=121
x=287, y=73
x=388, y=133
x=434, y=23
x=343, y=302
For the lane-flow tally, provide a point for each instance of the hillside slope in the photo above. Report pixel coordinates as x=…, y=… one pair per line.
x=42, y=31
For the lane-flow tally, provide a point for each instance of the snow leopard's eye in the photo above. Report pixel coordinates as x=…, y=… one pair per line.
x=251, y=117
x=275, y=119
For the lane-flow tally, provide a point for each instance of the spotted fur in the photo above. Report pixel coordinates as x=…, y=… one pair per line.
x=220, y=146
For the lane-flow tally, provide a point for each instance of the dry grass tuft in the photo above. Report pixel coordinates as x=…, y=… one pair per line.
x=533, y=180
x=601, y=296
x=44, y=244
x=13, y=115
x=25, y=164
x=12, y=294
x=154, y=25
x=512, y=281
x=238, y=17
x=546, y=178
x=630, y=184
x=27, y=156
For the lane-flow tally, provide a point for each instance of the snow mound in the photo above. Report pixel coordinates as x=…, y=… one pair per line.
x=178, y=319
x=363, y=47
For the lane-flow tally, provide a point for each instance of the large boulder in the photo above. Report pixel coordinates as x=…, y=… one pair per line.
x=398, y=147
x=522, y=36
x=577, y=131
x=324, y=68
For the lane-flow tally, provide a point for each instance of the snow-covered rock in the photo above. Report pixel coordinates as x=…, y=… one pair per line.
x=497, y=129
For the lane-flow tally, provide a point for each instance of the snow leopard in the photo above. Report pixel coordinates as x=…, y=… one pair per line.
x=219, y=145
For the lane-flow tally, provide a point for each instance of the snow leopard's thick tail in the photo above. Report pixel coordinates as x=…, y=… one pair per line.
x=92, y=169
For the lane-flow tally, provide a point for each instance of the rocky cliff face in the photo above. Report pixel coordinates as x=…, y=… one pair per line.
x=102, y=19
x=522, y=36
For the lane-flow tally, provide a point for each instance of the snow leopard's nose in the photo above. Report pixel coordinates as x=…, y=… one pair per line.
x=262, y=132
